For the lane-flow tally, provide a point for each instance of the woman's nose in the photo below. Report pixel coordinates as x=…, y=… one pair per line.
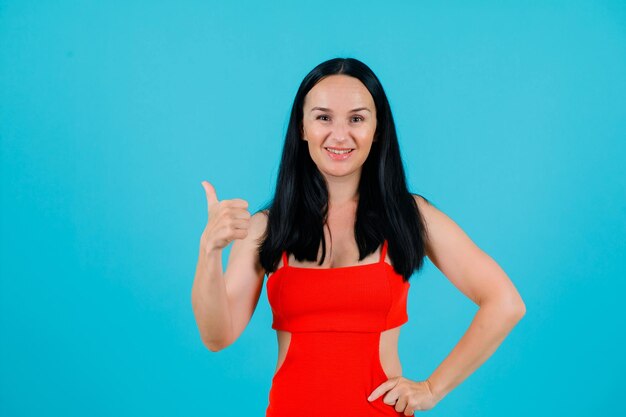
x=341, y=131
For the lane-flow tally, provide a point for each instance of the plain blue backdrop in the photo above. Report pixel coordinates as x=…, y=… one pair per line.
x=511, y=119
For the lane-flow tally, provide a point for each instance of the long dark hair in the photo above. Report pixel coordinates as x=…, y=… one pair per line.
x=386, y=209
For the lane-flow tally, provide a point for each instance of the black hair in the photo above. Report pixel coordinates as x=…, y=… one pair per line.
x=386, y=209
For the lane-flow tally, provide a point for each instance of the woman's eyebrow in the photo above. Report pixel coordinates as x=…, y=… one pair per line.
x=329, y=110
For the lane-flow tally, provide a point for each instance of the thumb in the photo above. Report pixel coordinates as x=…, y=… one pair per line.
x=211, y=195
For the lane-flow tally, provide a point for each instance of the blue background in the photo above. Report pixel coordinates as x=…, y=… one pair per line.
x=511, y=118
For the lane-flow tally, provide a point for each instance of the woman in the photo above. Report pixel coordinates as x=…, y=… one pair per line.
x=342, y=186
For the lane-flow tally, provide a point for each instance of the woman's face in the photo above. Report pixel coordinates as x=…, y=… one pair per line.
x=339, y=113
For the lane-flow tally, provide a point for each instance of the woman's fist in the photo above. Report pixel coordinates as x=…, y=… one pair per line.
x=228, y=220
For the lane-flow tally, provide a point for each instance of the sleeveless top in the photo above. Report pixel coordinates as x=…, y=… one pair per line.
x=358, y=298
x=335, y=316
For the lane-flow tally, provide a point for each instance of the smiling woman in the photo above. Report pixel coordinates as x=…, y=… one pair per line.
x=337, y=316
x=339, y=124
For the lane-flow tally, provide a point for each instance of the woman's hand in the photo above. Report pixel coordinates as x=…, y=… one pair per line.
x=228, y=220
x=407, y=396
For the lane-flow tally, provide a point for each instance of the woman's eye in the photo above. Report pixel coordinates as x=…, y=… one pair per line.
x=325, y=117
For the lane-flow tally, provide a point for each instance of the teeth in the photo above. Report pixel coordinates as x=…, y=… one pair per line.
x=338, y=152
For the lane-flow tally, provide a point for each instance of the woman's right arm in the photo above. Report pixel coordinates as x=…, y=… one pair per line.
x=223, y=303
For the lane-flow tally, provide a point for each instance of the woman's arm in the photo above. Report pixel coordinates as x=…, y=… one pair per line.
x=223, y=302
x=482, y=280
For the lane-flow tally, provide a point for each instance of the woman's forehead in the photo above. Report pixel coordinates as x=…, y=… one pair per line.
x=339, y=92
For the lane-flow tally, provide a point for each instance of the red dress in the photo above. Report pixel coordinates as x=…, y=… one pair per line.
x=335, y=316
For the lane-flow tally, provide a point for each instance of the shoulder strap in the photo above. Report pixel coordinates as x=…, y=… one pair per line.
x=285, y=262
x=383, y=251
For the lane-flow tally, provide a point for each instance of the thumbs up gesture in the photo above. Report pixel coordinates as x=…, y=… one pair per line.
x=228, y=220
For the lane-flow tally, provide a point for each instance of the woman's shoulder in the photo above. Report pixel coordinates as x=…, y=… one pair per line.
x=260, y=216
x=421, y=201
x=427, y=210
x=258, y=221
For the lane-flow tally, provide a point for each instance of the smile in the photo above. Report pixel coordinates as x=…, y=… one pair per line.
x=338, y=154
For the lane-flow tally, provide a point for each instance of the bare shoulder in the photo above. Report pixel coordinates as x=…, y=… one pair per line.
x=256, y=232
x=439, y=227
x=421, y=201
x=259, y=218
x=258, y=222
x=426, y=208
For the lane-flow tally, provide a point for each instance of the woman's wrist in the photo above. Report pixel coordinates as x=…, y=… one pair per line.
x=436, y=390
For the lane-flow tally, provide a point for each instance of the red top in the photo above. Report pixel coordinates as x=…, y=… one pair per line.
x=359, y=298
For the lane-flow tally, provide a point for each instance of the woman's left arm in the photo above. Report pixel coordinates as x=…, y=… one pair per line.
x=482, y=280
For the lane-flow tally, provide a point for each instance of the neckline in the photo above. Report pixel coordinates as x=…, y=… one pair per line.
x=328, y=271
x=381, y=260
x=332, y=269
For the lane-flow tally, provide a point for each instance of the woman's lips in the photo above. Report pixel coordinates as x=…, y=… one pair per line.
x=338, y=157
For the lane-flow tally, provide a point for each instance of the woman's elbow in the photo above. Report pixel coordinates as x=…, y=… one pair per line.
x=516, y=308
x=510, y=305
